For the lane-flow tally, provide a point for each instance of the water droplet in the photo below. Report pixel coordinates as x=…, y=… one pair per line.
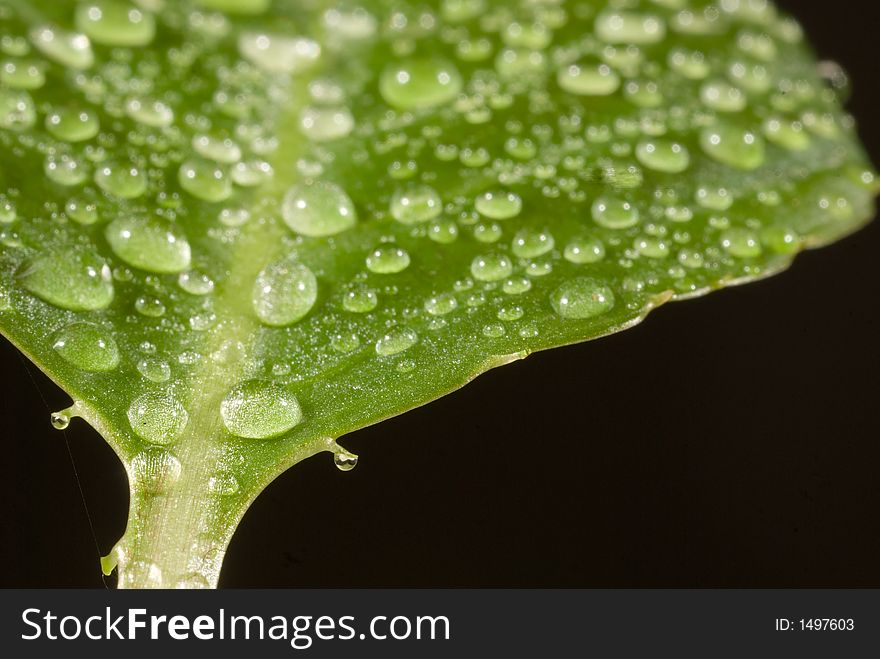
x=122, y=180
x=115, y=23
x=722, y=96
x=149, y=244
x=17, y=111
x=629, y=27
x=517, y=285
x=88, y=347
x=741, y=243
x=61, y=420
x=259, y=409
x=205, y=180
x=64, y=169
x=154, y=370
x=22, y=74
x=491, y=267
x=528, y=244
x=72, y=125
x=663, y=156
x=614, y=213
x=420, y=84
x=498, y=205
x=155, y=471
x=388, y=260
x=73, y=279
x=222, y=150
x=440, y=305
x=588, y=79
x=224, y=483
x=322, y=124
x=284, y=292
x=318, y=210
x=279, y=54
x=415, y=204
x=396, y=341
x=344, y=460
x=158, y=418
x=150, y=112
x=582, y=298
x=733, y=146
x=65, y=48
x=584, y=250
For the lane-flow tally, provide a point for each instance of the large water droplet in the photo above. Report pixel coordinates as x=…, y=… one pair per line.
x=284, y=292
x=582, y=298
x=150, y=244
x=629, y=27
x=73, y=279
x=158, y=418
x=318, y=210
x=17, y=111
x=420, y=83
x=88, y=347
x=663, y=156
x=259, y=409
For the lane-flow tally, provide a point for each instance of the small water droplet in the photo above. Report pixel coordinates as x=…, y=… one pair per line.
x=396, y=341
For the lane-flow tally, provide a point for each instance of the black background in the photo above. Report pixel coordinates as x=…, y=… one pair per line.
x=728, y=441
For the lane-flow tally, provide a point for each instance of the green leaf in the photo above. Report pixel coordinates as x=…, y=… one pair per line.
x=234, y=231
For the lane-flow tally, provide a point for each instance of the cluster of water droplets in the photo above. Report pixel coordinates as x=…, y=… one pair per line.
x=438, y=182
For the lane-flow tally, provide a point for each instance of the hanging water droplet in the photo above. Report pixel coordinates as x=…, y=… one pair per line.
x=158, y=418
x=581, y=298
x=284, y=292
x=88, y=347
x=61, y=419
x=318, y=210
x=420, y=84
x=149, y=244
x=277, y=53
x=259, y=409
x=360, y=300
x=73, y=279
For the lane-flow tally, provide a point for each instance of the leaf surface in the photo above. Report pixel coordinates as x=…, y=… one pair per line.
x=235, y=231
